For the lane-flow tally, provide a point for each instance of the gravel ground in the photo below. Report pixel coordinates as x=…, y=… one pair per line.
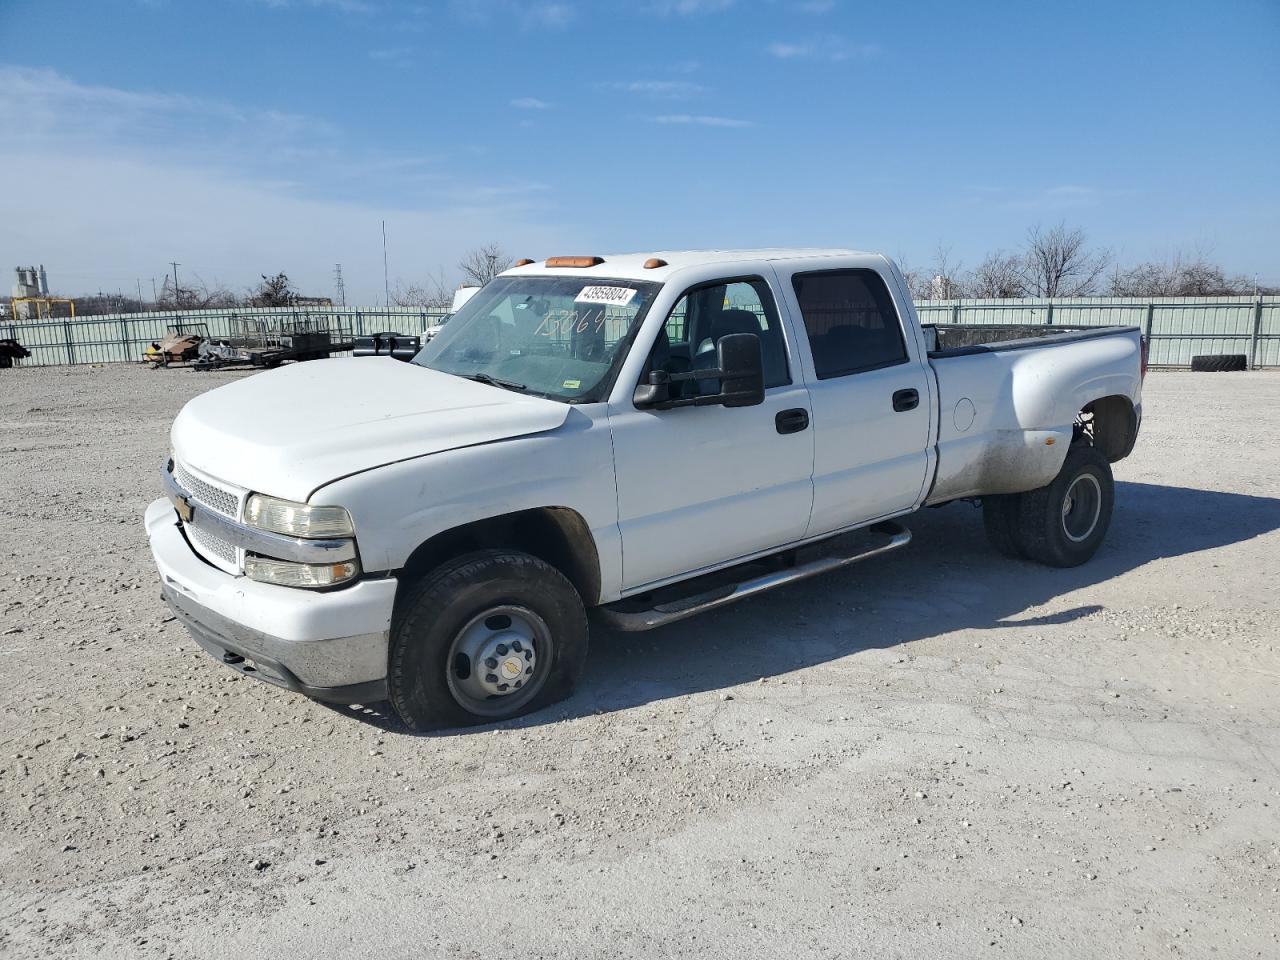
x=939, y=753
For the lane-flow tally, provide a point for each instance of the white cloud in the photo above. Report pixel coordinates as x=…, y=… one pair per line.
x=549, y=14
x=701, y=121
x=344, y=6
x=115, y=182
x=1059, y=197
x=530, y=103
x=530, y=16
x=831, y=48
x=662, y=89
x=400, y=56
x=688, y=8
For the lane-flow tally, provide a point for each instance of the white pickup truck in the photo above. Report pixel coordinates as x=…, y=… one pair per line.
x=645, y=436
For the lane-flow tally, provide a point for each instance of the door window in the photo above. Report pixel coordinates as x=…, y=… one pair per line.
x=850, y=320
x=705, y=314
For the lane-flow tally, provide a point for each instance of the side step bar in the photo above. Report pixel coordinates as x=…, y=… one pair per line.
x=633, y=615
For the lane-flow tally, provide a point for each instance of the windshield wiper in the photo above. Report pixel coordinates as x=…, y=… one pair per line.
x=494, y=381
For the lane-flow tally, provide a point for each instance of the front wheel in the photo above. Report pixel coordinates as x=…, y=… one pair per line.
x=1064, y=523
x=488, y=636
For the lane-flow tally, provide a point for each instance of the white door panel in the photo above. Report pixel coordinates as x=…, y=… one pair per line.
x=701, y=485
x=870, y=461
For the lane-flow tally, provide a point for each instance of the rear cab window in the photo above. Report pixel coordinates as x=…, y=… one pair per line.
x=850, y=320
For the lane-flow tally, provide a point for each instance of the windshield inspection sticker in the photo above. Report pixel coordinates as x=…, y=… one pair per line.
x=612, y=296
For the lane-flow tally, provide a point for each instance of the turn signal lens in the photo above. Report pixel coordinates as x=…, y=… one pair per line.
x=574, y=261
x=310, y=576
x=297, y=519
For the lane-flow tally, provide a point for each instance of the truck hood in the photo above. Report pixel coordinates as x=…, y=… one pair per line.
x=289, y=431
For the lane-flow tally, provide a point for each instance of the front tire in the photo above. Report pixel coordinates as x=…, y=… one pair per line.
x=485, y=637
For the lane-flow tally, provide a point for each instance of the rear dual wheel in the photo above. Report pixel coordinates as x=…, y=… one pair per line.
x=1061, y=524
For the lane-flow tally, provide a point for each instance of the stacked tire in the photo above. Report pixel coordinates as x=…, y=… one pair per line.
x=1220, y=363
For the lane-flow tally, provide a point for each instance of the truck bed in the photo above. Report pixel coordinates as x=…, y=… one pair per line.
x=1008, y=396
x=962, y=339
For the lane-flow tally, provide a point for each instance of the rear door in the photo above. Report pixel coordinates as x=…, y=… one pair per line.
x=699, y=486
x=869, y=393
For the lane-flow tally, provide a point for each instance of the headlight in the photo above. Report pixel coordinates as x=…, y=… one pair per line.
x=297, y=519
x=308, y=575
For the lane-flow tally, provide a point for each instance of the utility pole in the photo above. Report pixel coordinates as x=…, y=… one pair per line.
x=386, y=283
x=177, y=300
x=155, y=297
x=138, y=281
x=339, y=287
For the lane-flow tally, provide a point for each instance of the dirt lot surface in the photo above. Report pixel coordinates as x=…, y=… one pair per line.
x=942, y=753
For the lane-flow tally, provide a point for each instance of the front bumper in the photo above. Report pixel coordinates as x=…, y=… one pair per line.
x=330, y=646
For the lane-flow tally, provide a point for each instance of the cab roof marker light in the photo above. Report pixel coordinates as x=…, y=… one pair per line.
x=653, y=263
x=524, y=262
x=574, y=261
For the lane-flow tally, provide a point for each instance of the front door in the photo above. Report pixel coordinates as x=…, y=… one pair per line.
x=701, y=485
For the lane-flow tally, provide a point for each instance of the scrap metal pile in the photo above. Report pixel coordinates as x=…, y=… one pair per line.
x=11, y=350
x=251, y=343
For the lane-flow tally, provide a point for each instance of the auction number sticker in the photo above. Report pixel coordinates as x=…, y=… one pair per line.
x=611, y=296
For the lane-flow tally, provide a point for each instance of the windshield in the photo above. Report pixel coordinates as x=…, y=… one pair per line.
x=557, y=337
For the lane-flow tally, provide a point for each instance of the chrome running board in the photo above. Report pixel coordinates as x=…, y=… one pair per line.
x=662, y=606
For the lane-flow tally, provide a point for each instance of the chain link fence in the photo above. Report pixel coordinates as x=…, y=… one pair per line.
x=1178, y=328
x=122, y=337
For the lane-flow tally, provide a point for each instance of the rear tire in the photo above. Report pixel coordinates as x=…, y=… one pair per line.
x=466, y=622
x=1064, y=523
x=998, y=513
x=1219, y=362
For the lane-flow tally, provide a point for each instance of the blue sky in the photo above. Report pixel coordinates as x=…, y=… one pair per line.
x=248, y=136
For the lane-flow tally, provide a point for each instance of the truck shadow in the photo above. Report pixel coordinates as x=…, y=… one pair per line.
x=948, y=579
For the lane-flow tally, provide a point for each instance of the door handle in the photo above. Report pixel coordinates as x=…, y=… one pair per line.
x=904, y=400
x=792, y=421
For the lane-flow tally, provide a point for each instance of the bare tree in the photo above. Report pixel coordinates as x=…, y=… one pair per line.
x=194, y=295
x=946, y=278
x=998, y=276
x=1059, y=263
x=917, y=283
x=274, y=291
x=434, y=293
x=482, y=264
x=1180, y=275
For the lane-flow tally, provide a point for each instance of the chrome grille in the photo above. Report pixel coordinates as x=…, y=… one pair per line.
x=225, y=502
x=215, y=546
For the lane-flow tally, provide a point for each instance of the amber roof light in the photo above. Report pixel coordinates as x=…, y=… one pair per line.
x=653, y=263
x=574, y=261
x=524, y=263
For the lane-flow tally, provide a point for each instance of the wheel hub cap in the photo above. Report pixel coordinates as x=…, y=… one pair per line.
x=495, y=656
x=1081, y=508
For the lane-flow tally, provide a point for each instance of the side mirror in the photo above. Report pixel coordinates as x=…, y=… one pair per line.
x=654, y=393
x=739, y=370
x=741, y=364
